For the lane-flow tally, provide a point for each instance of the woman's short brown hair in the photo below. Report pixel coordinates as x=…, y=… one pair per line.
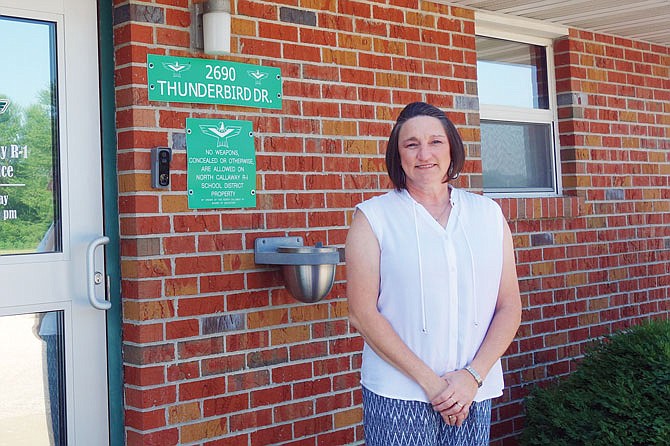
x=393, y=165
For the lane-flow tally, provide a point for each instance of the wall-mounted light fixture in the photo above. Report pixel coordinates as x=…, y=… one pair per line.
x=210, y=30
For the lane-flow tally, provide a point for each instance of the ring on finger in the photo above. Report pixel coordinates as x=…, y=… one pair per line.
x=459, y=404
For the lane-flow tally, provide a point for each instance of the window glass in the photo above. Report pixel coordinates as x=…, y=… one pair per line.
x=511, y=73
x=519, y=154
x=29, y=198
x=32, y=379
x=516, y=156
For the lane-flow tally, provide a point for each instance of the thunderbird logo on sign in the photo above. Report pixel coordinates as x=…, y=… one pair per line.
x=4, y=104
x=258, y=75
x=177, y=68
x=221, y=133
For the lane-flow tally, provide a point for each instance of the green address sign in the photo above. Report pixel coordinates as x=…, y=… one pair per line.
x=221, y=164
x=207, y=81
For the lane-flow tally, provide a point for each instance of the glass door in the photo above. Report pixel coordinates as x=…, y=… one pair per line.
x=52, y=277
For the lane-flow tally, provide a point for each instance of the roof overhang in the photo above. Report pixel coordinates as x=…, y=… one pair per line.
x=647, y=20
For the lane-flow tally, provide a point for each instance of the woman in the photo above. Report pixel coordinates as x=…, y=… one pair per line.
x=432, y=288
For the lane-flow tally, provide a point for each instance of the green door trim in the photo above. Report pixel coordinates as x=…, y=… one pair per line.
x=111, y=210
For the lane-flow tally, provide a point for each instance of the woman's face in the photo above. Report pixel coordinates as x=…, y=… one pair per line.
x=425, y=154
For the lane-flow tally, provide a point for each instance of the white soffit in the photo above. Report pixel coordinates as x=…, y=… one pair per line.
x=647, y=20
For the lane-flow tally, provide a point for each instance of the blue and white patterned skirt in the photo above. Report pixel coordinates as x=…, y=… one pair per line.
x=393, y=422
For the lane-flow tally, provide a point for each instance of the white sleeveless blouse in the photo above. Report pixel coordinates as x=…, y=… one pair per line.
x=438, y=286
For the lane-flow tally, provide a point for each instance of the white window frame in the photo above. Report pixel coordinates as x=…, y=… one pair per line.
x=533, y=32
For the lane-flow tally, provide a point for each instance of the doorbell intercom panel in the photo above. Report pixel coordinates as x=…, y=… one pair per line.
x=160, y=167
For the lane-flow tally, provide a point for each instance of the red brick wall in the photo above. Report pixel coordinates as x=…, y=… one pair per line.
x=596, y=260
x=215, y=350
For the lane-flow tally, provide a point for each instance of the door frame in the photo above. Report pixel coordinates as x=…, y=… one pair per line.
x=111, y=222
x=102, y=72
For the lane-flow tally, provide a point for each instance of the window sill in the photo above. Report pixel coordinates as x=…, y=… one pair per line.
x=538, y=208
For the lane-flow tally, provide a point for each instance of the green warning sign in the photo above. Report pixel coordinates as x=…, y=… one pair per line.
x=207, y=81
x=221, y=164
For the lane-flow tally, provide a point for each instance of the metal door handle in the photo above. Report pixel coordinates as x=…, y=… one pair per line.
x=94, y=277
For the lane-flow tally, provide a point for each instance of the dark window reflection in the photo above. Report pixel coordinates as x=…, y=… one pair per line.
x=51, y=331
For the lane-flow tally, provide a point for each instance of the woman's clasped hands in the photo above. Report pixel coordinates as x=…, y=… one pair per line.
x=454, y=401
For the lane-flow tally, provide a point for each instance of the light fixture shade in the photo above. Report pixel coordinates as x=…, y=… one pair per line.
x=216, y=32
